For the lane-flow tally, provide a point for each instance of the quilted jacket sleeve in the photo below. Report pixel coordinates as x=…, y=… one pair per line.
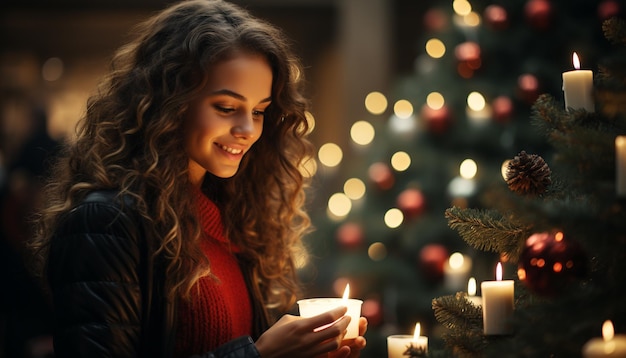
x=93, y=275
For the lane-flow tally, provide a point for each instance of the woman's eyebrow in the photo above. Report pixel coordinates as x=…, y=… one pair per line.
x=236, y=95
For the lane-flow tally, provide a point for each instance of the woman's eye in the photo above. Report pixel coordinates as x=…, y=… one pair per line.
x=223, y=109
x=258, y=113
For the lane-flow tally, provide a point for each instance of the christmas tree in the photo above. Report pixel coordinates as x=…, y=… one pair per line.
x=561, y=226
x=430, y=156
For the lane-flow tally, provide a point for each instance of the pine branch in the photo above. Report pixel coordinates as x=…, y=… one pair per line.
x=488, y=230
x=615, y=30
x=464, y=323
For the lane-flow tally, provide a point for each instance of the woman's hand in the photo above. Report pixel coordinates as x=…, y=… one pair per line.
x=294, y=336
x=355, y=344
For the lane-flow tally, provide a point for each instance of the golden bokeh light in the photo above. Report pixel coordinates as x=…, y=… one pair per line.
x=339, y=205
x=476, y=101
x=403, y=109
x=376, y=103
x=435, y=48
x=400, y=161
x=468, y=169
x=354, y=188
x=435, y=100
x=362, y=132
x=377, y=251
x=394, y=218
x=330, y=154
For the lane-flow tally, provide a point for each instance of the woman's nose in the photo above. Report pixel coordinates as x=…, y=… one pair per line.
x=244, y=126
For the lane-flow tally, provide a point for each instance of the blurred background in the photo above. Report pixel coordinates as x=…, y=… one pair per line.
x=416, y=105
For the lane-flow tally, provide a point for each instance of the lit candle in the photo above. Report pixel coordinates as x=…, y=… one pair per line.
x=498, y=304
x=403, y=346
x=610, y=345
x=620, y=165
x=456, y=272
x=471, y=293
x=577, y=87
x=315, y=306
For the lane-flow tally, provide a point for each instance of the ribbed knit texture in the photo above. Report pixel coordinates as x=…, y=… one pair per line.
x=218, y=311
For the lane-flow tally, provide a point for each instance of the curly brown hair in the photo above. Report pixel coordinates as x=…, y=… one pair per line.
x=130, y=140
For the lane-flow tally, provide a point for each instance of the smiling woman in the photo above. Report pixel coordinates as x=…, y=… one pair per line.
x=164, y=234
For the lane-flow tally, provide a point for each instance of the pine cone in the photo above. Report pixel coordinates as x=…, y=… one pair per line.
x=528, y=174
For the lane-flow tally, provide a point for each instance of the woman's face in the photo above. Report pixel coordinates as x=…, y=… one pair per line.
x=222, y=125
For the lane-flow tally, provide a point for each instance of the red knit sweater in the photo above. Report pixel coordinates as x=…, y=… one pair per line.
x=218, y=311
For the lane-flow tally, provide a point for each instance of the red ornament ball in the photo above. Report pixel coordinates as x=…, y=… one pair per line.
x=528, y=88
x=608, y=9
x=539, y=14
x=372, y=309
x=432, y=258
x=350, y=235
x=550, y=263
x=502, y=109
x=496, y=17
x=436, y=20
x=380, y=174
x=437, y=120
x=411, y=202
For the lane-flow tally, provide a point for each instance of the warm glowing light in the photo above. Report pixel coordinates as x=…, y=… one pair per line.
x=435, y=100
x=521, y=273
x=607, y=330
x=308, y=167
x=416, y=333
x=52, y=69
x=476, y=101
x=468, y=169
x=354, y=188
x=346, y=292
x=471, y=286
x=456, y=260
x=472, y=19
x=462, y=7
x=362, y=132
x=400, y=161
x=376, y=103
x=377, y=251
x=330, y=154
x=576, y=61
x=310, y=119
x=394, y=218
x=403, y=109
x=557, y=267
x=435, y=48
x=504, y=169
x=339, y=204
x=499, y=272
x=558, y=236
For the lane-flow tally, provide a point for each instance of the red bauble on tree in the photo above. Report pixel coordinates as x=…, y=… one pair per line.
x=437, y=120
x=350, y=235
x=412, y=203
x=550, y=262
x=539, y=14
x=496, y=17
x=432, y=258
x=381, y=175
x=502, y=109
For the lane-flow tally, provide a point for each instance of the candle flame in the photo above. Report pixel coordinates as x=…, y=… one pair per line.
x=576, y=61
x=416, y=333
x=471, y=286
x=499, y=272
x=346, y=292
x=607, y=330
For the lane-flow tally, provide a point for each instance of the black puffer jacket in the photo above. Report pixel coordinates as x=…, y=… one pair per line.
x=108, y=290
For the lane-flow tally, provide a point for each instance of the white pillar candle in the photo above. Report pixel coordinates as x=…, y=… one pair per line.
x=498, y=302
x=471, y=293
x=610, y=345
x=314, y=306
x=401, y=345
x=456, y=272
x=620, y=165
x=578, y=87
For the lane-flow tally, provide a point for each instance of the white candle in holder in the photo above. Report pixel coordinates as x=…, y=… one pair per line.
x=314, y=306
x=610, y=345
x=498, y=302
x=401, y=345
x=578, y=87
x=471, y=293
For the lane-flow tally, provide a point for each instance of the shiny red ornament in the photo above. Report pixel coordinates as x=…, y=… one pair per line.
x=608, y=9
x=550, y=263
x=502, y=109
x=411, y=202
x=496, y=17
x=432, y=258
x=381, y=175
x=350, y=235
x=437, y=120
x=539, y=14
